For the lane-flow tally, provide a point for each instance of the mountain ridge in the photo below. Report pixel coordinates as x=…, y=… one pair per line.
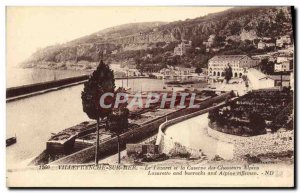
x=117, y=41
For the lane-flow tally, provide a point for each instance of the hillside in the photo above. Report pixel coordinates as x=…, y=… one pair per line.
x=116, y=32
x=131, y=43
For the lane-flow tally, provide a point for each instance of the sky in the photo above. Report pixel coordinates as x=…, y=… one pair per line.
x=30, y=28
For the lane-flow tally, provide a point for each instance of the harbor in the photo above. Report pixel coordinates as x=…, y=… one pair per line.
x=35, y=125
x=184, y=96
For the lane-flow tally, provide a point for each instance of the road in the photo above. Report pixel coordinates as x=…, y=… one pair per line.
x=193, y=133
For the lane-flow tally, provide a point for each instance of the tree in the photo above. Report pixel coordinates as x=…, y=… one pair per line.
x=140, y=67
x=235, y=28
x=101, y=81
x=280, y=17
x=263, y=28
x=281, y=119
x=266, y=66
x=213, y=115
x=244, y=77
x=257, y=124
x=219, y=41
x=198, y=70
x=228, y=73
x=118, y=122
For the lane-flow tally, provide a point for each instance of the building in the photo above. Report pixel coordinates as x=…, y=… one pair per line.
x=193, y=70
x=176, y=72
x=279, y=43
x=290, y=48
x=285, y=79
x=259, y=80
x=281, y=67
x=261, y=45
x=281, y=59
x=248, y=35
x=114, y=52
x=283, y=40
x=133, y=72
x=261, y=57
x=149, y=56
x=181, y=71
x=238, y=63
x=270, y=44
x=215, y=49
x=266, y=38
x=181, y=48
x=210, y=41
x=165, y=71
x=128, y=66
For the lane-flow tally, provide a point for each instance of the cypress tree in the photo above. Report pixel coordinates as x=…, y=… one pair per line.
x=101, y=81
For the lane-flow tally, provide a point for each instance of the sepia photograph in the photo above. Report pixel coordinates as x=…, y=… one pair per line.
x=150, y=96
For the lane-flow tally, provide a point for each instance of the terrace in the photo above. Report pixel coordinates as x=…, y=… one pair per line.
x=253, y=113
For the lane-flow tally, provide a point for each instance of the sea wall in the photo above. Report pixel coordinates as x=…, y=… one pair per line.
x=255, y=145
x=26, y=89
x=19, y=92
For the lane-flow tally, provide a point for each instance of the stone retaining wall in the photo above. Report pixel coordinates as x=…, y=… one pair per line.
x=255, y=145
x=224, y=136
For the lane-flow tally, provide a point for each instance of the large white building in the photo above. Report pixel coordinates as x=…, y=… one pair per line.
x=238, y=63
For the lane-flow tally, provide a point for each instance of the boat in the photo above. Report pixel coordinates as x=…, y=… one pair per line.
x=11, y=140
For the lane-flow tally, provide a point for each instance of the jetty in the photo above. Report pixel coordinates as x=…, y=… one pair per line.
x=25, y=91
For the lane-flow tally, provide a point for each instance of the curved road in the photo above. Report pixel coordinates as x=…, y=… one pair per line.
x=193, y=133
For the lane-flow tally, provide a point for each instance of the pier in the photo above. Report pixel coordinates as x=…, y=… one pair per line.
x=25, y=91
